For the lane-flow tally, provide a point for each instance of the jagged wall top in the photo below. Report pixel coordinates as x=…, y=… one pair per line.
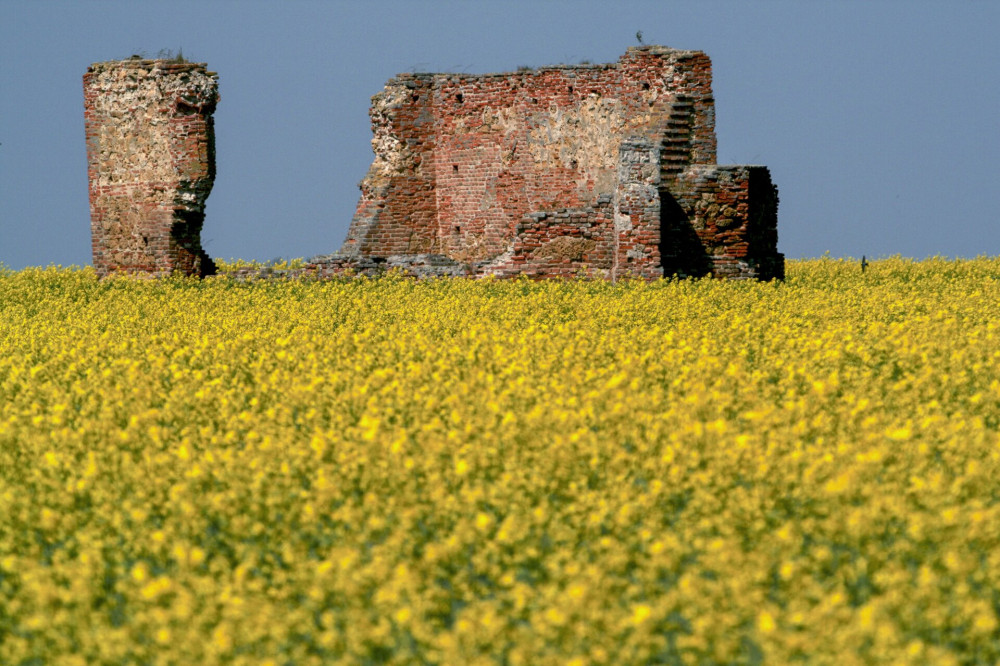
x=461, y=158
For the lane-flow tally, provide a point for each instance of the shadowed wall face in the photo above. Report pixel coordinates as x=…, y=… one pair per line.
x=151, y=164
x=598, y=170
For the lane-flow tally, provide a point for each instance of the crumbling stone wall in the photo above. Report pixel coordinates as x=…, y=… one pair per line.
x=151, y=164
x=600, y=170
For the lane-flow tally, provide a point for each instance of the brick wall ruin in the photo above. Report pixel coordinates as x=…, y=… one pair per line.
x=597, y=170
x=151, y=164
x=603, y=171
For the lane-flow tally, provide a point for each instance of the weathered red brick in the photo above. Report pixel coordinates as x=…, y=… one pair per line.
x=497, y=171
x=151, y=164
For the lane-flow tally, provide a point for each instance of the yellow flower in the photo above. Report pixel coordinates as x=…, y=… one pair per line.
x=641, y=613
x=765, y=622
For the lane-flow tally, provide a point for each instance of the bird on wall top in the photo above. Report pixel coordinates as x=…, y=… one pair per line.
x=638, y=35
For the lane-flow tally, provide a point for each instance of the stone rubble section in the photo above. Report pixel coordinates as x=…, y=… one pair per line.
x=604, y=171
x=151, y=164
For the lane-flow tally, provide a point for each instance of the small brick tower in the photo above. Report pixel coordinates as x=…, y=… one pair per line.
x=151, y=164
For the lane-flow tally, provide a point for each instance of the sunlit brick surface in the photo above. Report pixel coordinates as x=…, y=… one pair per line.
x=151, y=164
x=599, y=170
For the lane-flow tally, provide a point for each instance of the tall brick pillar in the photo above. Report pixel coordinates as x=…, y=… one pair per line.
x=151, y=164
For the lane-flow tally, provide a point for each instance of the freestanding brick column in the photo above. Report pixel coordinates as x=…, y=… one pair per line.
x=151, y=164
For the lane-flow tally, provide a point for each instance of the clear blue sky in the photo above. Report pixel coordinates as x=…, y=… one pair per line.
x=880, y=121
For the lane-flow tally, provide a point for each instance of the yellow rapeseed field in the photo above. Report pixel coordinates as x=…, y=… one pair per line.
x=461, y=472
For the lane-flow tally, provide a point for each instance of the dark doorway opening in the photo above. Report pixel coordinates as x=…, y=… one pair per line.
x=681, y=251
